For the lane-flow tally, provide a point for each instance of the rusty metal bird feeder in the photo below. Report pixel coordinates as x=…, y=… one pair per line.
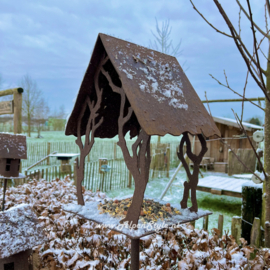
x=130, y=88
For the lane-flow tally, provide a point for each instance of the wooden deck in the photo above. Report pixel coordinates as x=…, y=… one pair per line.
x=222, y=185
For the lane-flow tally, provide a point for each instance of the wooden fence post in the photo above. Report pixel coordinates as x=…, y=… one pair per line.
x=205, y=223
x=17, y=96
x=48, y=152
x=255, y=237
x=220, y=225
x=236, y=228
x=251, y=207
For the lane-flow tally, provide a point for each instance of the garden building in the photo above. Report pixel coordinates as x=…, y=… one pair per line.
x=218, y=153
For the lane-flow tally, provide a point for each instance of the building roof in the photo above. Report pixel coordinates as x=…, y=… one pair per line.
x=19, y=230
x=233, y=123
x=13, y=146
x=163, y=99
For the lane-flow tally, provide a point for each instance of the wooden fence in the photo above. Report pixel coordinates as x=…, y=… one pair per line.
x=256, y=231
x=116, y=178
x=101, y=149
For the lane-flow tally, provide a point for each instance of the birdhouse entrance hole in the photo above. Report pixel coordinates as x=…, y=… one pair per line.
x=9, y=266
x=8, y=164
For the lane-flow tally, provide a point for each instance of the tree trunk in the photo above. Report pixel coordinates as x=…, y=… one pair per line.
x=29, y=125
x=266, y=185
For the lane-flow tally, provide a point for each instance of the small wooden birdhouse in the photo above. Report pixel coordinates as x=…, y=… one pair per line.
x=20, y=231
x=12, y=150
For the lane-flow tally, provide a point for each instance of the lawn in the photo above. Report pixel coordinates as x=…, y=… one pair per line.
x=54, y=136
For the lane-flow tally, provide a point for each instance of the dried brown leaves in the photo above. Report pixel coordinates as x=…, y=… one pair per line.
x=75, y=243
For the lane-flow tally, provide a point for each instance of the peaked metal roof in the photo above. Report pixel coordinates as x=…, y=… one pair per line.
x=163, y=99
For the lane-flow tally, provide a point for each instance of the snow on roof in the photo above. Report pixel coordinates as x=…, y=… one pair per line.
x=19, y=230
x=232, y=122
x=13, y=146
x=64, y=155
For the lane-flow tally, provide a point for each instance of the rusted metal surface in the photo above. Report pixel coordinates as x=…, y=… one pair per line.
x=19, y=230
x=193, y=177
x=158, y=90
x=13, y=146
x=131, y=88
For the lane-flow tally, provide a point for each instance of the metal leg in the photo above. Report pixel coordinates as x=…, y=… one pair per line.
x=4, y=194
x=135, y=254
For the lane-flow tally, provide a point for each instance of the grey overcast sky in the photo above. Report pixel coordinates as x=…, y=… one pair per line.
x=52, y=41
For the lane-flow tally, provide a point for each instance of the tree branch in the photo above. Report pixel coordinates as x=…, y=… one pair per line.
x=244, y=92
x=259, y=160
x=250, y=18
x=240, y=47
x=227, y=86
x=209, y=22
x=255, y=43
x=268, y=6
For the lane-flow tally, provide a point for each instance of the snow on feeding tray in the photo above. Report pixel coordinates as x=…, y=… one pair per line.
x=92, y=211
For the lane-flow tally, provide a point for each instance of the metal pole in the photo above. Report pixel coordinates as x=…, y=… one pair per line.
x=4, y=194
x=135, y=254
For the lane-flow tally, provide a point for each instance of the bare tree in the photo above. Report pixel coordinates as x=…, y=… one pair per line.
x=163, y=42
x=41, y=115
x=32, y=97
x=262, y=78
x=58, y=118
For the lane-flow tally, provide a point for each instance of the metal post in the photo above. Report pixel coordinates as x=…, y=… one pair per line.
x=4, y=194
x=135, y=254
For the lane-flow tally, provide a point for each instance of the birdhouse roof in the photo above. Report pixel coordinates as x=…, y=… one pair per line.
x=19, y=230
x=156, y=87
x=13, y=146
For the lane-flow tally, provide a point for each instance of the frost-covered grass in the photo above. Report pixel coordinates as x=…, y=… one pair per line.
x=225, y=205
x=228, y=206
x=56, y=136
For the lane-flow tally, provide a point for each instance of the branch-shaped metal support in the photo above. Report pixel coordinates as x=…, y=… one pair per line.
x=91, y=126
x=139, y=163
x=193, y=178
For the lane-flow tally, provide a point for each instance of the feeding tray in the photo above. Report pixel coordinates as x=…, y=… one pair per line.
x=64, y=157
x=91, y=211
